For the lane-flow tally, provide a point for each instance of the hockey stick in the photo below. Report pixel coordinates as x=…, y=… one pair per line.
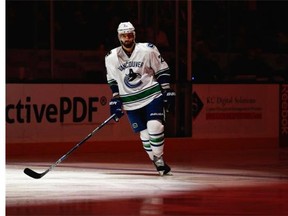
x=36, y=175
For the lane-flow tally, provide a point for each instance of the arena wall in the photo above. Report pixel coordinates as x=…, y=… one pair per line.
x=41, y=113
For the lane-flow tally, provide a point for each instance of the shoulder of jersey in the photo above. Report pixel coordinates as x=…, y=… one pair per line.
x=146, y=45
x=111, y=53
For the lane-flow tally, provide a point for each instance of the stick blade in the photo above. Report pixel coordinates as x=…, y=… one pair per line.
x=33, y=174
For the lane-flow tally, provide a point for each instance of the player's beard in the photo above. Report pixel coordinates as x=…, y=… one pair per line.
x=128, y=44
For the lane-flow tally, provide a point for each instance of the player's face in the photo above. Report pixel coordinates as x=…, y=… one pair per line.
x=127, y=40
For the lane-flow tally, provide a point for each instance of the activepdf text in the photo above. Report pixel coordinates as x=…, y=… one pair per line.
x=75, y=109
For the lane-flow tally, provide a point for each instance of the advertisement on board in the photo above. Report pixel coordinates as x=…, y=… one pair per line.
x=61, y=113
x=235, y=111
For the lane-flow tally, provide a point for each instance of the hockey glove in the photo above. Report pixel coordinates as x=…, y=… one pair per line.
x=116, y=107
x=169, y=99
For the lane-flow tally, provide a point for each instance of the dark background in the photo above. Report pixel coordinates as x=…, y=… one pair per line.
x=66, y=41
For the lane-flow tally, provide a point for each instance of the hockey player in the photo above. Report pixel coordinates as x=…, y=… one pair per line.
x=140, y=82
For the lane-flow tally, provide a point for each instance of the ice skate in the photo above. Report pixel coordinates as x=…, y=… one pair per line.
x=161, y=166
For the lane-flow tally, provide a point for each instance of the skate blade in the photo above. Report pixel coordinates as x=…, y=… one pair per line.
x=161, y=173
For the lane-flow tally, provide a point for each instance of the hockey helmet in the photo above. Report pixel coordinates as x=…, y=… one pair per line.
x=125, y=27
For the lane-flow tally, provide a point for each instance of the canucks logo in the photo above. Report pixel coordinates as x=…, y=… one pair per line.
x=132, y=80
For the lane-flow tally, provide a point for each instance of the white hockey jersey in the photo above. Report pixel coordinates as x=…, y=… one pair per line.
x=136, y=76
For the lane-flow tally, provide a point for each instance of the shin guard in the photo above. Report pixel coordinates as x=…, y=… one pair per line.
x=156, y=137
x=144, y=136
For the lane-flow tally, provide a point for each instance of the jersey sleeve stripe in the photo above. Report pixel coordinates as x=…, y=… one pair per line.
x=162, y=72
x=113, y=86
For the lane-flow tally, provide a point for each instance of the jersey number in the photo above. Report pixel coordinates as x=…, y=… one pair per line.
x=161, y=59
